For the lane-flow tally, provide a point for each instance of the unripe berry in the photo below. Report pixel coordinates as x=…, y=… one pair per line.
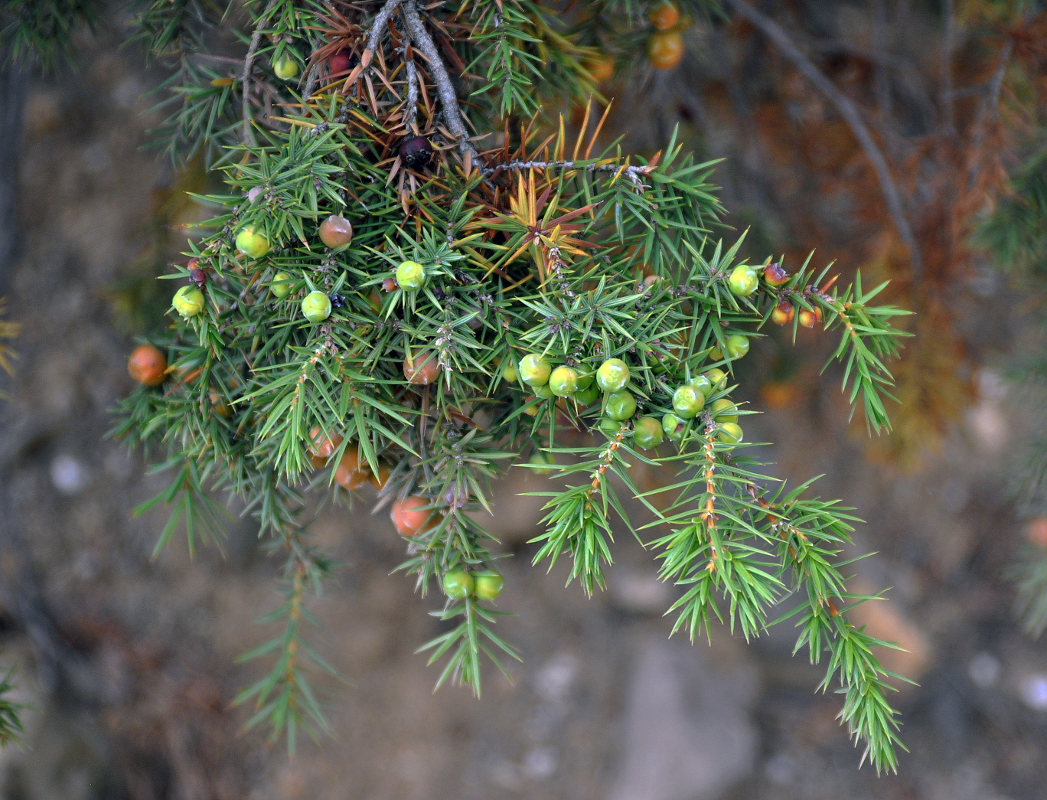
x=729, y=432
x=188, y=301
x=737, y=345
x=251, y=243
x=647, y=433
x=723, y=410
x=587, y=396
x=280, y=285
x=316, y=306
x=285, y=68
x=410, y=276
x=487, y=584
x=613, y=375
x=147, y=365
x=458, y=584
x=702, y=384
x=336, y=231
x=534, y=370
x=688, y=401
x=563, y=381
x=717, y=378
x=673, y=427
x=619, y=405
x=743, y=281
x=509, y=373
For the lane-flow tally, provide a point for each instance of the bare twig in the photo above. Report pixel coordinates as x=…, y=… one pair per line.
x=852, y=116
x=635, y=174
x=381, y=22
x=245, y=77
x=987, y=109
x=947, y=97
x=449, y=108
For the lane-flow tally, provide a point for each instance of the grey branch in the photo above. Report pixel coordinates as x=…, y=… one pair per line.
x=245, y=77
x=450, y=111
x=851, y=115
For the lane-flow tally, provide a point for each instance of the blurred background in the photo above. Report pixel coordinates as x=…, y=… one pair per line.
x=127, y=664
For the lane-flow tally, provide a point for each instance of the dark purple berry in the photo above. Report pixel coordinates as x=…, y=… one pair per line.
x=198, y=276
x=337, y=301
x=415, y=151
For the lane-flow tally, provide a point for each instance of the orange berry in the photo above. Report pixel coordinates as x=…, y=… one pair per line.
x=783, y=313
x=421, y=369
x=600, y=67
x=322, y=445
x=147, y=365
x=350, y=473
x=410, y=516
x=665, y=49
x=810, y=318
x=381, y=478
x=664, y=15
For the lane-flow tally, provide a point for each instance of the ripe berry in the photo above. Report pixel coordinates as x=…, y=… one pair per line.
x=251, y=243
x=198, y=276
x=322, y=444
x=316, y=306
x=810, y=318
x=783, y=313
x=534, y=370
x=737, y=345
x=723, y=410
x=336, y=231
x=415, y=152
x=410, y=276
x=218, y=405
x=775, y=274
x=647, y=433
x=619, y=405
x=422, y=368
x=688, y=401
x=280, y=285
x=664, y=15
x=600, y=67
x=381, y=478
x=487, y=584
x=613, y=375
x=188, y=301
x=285, y=68
x=730, y=432
x=743, y=281
x=673, y=427
x=350, y=473
x=147, y=365
x=410, y=516
x=342, y=61
x=458, y=584
x=665, y=49
x=563, y=381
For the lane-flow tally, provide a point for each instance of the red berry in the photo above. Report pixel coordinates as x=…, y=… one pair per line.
x=775, y=274
x=198, y=276
x=350, y=473
x=415, y=152
x=147, y=365
x=810, y=318
x=342, y=61
x=421, y=369
x=410, y=515
x=783, y=313
x=336, y=231
x=321, y=444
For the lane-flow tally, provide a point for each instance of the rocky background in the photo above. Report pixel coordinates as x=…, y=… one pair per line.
x=128, y=663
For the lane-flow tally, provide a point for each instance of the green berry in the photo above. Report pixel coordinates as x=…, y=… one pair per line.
x=316, y=306
x=188, y=301
x=251, y=243
x=688, y=401
x=737, y=345
x=534, y=370
x=647, y=433
x=585, y=379
x=544, y=461
x=619, y=405
x=285, y=68
x=730, y=432
x=743, y=281
x=509, y=373
x=702, y=384
x=281, y=285
x=610, y=426
x=587, y=396
x=613, y=375
x=723, y=410
x=543, y=391
x=458, y=584
x=673, y=427
x=717, y=378
x=410, y=276
x=488, y=584
x=563, y=381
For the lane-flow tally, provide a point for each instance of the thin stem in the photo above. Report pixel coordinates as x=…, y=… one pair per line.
x=245, y=76
x=852, y=116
